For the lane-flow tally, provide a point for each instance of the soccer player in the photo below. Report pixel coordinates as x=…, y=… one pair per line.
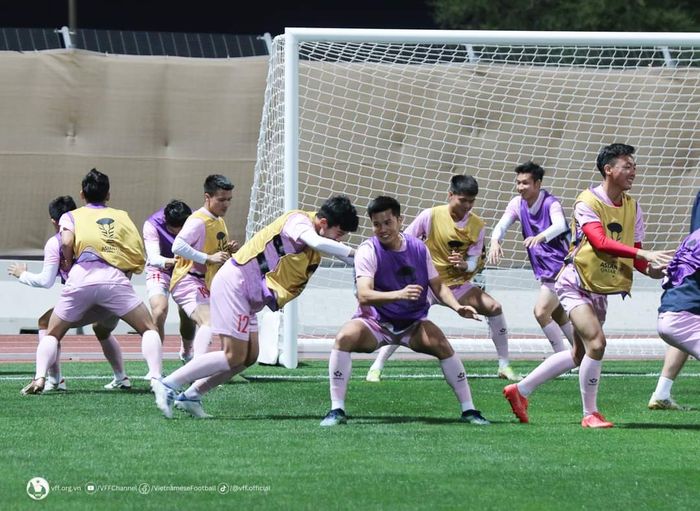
x=107, y=249
x=104, y=323
x=159, y=232
x=679, y=313
x=454, y=236
x=546, y=240
x=202, y=246
x=271, y=269
x=674, y=359
x=609, y=230
x=394, y=273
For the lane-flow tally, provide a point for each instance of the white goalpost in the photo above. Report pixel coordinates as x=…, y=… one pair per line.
x=398, y=112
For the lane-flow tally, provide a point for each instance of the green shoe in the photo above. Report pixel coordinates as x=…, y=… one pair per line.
x=507, y=373
x=374, y=375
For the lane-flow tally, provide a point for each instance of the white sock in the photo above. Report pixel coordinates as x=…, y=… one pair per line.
x=663, y=388
x=499, y=336
x=568, y=330
x=554, y=336
x=384, y=353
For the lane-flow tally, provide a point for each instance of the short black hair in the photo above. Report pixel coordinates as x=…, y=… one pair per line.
x=95, y=187
x=338, y=210
x=383, y=203
x=61, y=205
x=216, y=182
x=610, y=153
x=464, y=185
x=531, y=168
x=176, y=212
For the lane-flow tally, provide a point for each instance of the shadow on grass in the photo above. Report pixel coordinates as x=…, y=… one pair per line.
x=655, y=425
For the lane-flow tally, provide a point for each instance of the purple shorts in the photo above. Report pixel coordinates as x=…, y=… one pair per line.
x=457, y=291
x=75, y=303
x=385, y=335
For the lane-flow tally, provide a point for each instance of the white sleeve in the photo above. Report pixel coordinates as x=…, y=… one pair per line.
x=499, y=232
x=181, y=248
x=558, y=226
x=45, y=279
x=326, y=245
x=153, y=254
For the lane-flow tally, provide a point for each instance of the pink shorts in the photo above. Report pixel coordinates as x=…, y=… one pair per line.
x=681, y=330
x=236, y=297
x=457, y=291
x=385, y=335
x=548, y=284
x=571, y=295
x=98, y=314
x=157, y=283
x=190, y=292
x=75, y=302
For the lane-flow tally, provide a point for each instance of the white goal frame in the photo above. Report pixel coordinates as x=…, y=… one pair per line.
x=295, y=36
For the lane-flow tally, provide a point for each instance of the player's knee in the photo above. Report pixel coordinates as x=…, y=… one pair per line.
x=596, y=348
x=159, y=313
x=494, y=309
x=541, y=314
x=345, y=340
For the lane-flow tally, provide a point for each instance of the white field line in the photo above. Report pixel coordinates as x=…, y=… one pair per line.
x=361, y=376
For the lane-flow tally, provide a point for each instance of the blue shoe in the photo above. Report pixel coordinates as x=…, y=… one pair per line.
x=335, y=417
x=165, y=396
x=474, y=417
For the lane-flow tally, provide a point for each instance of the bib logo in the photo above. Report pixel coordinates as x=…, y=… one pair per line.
x=221, y=241
x=606, y=267
x=107, y=229
x=615, y=231
x=38, y=488
x=106, y=226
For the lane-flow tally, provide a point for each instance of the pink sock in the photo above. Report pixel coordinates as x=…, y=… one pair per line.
x=204, y=385
x=456, y=377
x=384, y=353
x=205, y=365
x=46, y=353
x=550, y=368
x=568, y=330
x=152, y=350
x=113, y=353
x=554, y=336
x=588, y=380
x=339, y=372
x=202, y=340
x=499, y=335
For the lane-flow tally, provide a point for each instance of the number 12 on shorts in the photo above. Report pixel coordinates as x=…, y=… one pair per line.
x=243, y=322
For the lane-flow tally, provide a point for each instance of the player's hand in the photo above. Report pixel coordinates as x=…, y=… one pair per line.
x=467, y=311
x=16, y=269
x=495, y=253
x=658, y=259
x=169, y=263
x=533, y=241
x=411, y=292
x=456, y=260
x=232, y=247
x=656, y=273
x=218, y=257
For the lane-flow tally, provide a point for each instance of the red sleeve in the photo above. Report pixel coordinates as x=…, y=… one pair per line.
x=640, y=264
x=596, y=236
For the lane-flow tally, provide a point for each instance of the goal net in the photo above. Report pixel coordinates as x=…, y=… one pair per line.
x=370, y=112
